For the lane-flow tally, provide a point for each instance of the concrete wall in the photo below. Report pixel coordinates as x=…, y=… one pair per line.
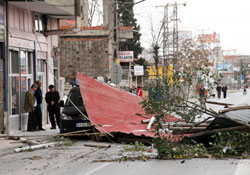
x=85, y=55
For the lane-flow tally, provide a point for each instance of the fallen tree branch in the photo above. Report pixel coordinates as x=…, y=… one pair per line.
x=236, y=128
x=219, y=103
x=74, y=132
x=234, y=109
x=203, y=121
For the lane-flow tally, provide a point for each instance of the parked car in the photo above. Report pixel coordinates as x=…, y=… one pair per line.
x=71, y=117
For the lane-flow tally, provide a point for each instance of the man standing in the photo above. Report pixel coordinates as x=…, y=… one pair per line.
x=224, y=90
x=218, y=88
x=29, y=106
x=39, y=99
x=52, y=99
x=202, y=93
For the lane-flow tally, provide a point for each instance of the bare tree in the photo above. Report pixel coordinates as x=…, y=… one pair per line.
x=95, y=12
x=156, y=42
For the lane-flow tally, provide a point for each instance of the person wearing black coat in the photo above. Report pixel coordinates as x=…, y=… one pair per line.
x=218, y=88
x=39, y=99
x=224, y=90
x=52, y=99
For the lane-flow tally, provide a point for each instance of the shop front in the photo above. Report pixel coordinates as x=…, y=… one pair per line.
x=21, y=55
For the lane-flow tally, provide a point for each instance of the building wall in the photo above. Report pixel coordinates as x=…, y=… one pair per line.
x=85, y=55
x=23, y=37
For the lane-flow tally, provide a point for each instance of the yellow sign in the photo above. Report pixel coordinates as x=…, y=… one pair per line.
x=168, y=72
x=117, y=61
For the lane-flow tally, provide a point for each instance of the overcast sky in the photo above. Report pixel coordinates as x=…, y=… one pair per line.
x=229, y=18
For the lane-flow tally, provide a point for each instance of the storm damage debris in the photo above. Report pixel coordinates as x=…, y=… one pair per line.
x=235, y=118
x=114, y=110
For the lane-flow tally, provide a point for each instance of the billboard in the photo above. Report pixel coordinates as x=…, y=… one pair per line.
x=209, y=38
x=167, y=71
x=227, y=67
x=126, y=56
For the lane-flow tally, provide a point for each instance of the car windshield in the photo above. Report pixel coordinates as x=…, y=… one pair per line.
x=75, y=97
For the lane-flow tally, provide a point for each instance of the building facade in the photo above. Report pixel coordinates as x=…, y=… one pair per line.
x=30, y=55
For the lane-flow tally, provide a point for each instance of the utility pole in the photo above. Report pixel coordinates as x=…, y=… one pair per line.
x=171, y=53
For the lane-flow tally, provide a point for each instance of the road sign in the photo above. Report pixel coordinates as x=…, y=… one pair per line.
x=138, y=70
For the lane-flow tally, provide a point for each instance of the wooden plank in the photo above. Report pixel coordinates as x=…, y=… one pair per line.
x=97, y=146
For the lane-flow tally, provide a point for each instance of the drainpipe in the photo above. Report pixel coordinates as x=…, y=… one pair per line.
x=7, y=99
x=34, y=63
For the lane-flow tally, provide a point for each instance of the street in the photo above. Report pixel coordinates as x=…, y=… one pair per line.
x=79, y=159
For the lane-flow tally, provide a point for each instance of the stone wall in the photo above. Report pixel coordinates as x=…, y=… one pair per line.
x=85, y=55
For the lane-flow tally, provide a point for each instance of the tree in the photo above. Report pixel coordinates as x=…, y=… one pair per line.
x=94, y=12
x=127, y=18
x=170, y=95
x=243, y=71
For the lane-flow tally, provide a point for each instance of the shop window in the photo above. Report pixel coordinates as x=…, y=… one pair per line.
x=23, y=62
x=40, y=66
x=21, y=78
x=30, y=61
x=15, y=62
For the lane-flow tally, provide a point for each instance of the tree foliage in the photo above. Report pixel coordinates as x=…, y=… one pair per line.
x=127, y=18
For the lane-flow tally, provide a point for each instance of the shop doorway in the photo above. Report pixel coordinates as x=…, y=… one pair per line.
x=21, y=79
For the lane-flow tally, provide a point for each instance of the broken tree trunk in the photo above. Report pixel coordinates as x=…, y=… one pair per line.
x=236, y=128
x=234, y=109
x=187, y=130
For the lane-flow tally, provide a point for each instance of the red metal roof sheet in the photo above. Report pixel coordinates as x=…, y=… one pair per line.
x=113, y=109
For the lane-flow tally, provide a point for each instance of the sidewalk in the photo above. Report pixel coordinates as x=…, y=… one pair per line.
x=7, y=146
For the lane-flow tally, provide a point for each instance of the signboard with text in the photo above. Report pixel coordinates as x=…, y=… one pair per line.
x=138, y=70
x=126, y=56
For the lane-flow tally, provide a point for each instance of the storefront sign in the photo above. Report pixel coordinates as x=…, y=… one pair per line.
x=138, y=70
x=15, y=42
x=126, y=56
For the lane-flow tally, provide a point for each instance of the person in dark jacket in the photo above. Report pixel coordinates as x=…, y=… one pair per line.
x=218, y=88
x=202, y=93
x=52, y=99
x=224, y=90
x=29, y=106
x=39, y=99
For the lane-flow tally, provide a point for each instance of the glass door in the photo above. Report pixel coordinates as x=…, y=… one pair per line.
x=21, y=80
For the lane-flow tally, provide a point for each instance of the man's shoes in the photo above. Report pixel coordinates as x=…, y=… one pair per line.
x=53, y=128
x=41, y=129
x=31, y=130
